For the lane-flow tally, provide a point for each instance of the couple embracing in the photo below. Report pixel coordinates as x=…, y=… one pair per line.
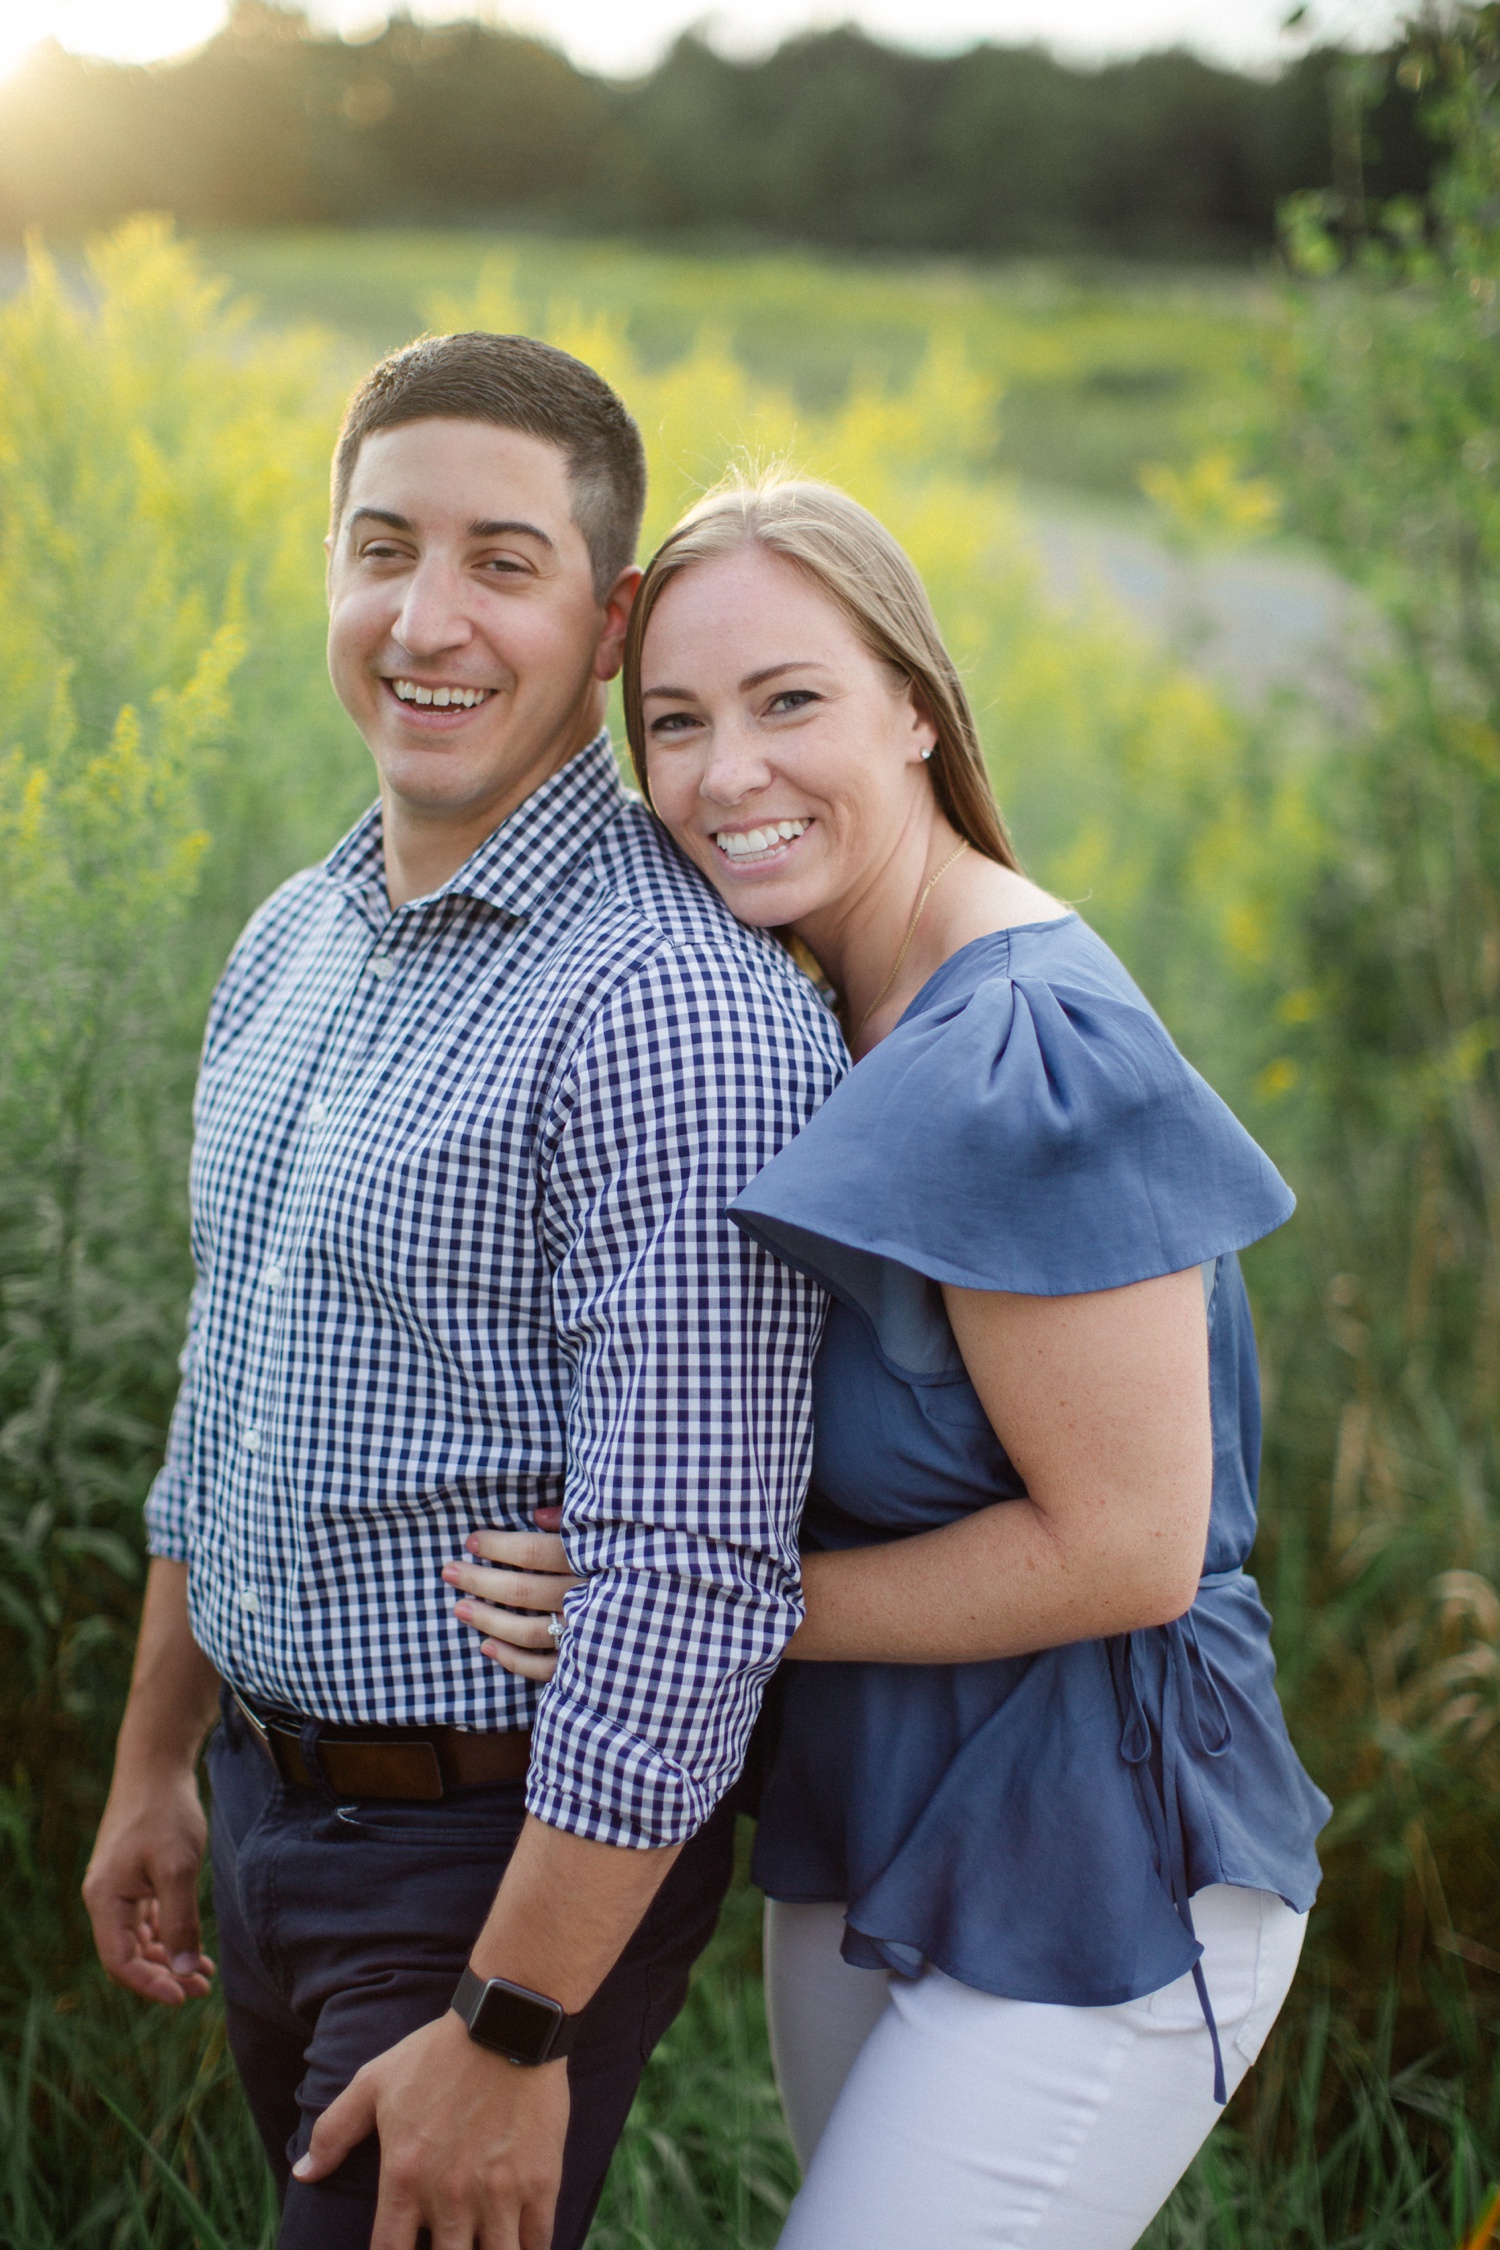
x=598, y=1314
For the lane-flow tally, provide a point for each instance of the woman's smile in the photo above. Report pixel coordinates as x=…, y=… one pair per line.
x=769, y=843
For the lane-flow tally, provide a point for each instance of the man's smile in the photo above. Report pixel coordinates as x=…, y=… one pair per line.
x=442, y=696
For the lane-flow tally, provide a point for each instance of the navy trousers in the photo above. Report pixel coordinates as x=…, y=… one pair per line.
x=343, y=1926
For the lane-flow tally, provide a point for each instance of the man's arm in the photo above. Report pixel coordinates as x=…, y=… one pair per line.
x=141, y=1889
x=471, y=2145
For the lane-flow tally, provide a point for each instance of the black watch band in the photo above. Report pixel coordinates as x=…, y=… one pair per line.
x=525, y=2027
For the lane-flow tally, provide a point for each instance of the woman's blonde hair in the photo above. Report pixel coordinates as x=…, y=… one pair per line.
x=851, y=556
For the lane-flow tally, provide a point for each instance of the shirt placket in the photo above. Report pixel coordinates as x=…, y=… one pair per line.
x=373, y=996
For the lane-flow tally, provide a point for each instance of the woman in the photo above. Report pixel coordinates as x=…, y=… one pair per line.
x=1037, y=1848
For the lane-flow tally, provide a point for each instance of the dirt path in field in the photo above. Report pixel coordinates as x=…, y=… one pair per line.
x=1253, y=620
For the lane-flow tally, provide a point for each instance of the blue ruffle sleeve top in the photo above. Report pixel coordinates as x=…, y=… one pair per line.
x=1034, y=1826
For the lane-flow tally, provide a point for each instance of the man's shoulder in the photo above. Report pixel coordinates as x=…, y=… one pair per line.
x=687, y=935
x=280, y=921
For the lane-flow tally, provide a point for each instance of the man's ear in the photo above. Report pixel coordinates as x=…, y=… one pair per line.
x=618, y=603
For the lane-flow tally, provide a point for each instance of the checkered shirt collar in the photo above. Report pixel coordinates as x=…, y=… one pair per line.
x=520, y=861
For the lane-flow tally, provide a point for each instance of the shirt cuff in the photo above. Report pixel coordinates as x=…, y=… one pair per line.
x=592, y=1779
x=166, y=1529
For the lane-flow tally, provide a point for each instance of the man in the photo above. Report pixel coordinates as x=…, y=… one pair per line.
x=475, y=1095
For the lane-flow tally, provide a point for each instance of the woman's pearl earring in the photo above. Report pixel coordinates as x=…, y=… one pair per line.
x=926, y=754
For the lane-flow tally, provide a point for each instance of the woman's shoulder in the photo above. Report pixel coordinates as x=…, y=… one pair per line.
x=1028, y=1125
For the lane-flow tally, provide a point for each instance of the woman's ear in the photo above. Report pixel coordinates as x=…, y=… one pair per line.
x=924, y=733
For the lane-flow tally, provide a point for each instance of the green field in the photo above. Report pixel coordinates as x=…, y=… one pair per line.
x=1095, y=369
x=1313, y=901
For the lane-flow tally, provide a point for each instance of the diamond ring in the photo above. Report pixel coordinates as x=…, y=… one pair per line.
x=556, y=1626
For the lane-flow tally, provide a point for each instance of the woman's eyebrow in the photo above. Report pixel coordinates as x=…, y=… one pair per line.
x=751, y=679
x=770, y=671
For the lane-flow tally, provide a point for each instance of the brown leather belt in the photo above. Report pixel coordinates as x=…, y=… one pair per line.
x=421, y=1763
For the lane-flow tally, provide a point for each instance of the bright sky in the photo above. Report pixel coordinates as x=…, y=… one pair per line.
x=629, y=35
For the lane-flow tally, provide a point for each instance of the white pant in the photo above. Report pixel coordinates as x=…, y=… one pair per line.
x=929, y=2116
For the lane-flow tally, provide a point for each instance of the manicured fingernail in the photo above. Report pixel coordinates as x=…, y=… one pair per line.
x=184, y=1964
x=462, y=1610
x=301, y=2168
x=450, y=1574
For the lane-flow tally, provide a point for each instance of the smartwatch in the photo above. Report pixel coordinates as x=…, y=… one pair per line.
x=525, y=2027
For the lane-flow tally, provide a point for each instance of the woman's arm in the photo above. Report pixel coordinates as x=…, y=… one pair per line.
x=1102, y=1404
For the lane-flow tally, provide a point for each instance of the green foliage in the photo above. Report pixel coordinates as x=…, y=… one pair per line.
x=834, y=138
x=157, y=491
x=1385, y=1450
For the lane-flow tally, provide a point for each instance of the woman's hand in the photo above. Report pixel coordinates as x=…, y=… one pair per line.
x=511, y=1604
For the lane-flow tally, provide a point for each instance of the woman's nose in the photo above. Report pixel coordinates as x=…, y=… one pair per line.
x=735, y=768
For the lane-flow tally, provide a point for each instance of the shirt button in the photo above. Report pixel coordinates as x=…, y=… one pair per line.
x=275, y=1274
x=381, y=967
x=250, y=1439
x=249, y=1601
x=317, y=1114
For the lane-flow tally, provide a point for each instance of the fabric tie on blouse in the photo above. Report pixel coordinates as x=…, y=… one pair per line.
x=1193, y=1714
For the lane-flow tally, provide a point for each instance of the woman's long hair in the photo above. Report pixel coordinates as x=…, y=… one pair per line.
x=851, y=556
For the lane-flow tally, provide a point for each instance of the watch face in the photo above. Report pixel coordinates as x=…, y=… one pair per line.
x=514, y=2022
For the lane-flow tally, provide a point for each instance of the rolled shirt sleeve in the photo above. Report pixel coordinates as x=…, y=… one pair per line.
x=689, y=1415
x=169, y=1500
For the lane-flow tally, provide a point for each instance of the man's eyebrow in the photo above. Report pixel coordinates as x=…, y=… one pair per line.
x=482, y=528
x=488, y=528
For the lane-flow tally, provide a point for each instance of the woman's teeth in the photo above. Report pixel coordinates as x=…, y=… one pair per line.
x=754, y=843
x=445, y=698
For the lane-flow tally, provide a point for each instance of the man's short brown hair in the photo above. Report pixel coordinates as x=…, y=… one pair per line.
x=515, y=383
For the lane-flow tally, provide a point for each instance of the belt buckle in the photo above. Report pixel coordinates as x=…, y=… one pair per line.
x=410, y=1769
x=262, y=1733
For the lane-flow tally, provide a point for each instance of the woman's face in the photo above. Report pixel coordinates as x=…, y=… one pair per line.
x=785, y=758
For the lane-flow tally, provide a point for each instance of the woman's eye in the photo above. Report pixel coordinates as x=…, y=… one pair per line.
x=673, y=722
x=793, y=699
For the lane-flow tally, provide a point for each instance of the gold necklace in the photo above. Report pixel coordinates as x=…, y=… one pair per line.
x=911, y=931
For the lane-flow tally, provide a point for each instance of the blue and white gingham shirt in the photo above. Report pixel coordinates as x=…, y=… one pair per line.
x=459, y=1191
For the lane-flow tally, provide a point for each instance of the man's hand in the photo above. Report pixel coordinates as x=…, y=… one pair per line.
x=141, y=1889
x=470, y=2145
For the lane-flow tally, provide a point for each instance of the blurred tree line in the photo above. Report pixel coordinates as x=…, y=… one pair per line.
x=835, y=139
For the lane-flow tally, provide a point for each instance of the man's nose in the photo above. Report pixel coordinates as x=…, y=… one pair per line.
x=434, y=615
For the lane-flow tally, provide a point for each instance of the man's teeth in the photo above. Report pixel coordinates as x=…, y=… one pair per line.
x=444, y=697
x=747, y=843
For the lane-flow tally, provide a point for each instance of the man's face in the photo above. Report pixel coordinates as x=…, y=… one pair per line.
x=464, y=639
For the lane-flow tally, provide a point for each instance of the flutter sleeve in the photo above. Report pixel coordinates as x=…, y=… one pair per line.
x=1038, y=1133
